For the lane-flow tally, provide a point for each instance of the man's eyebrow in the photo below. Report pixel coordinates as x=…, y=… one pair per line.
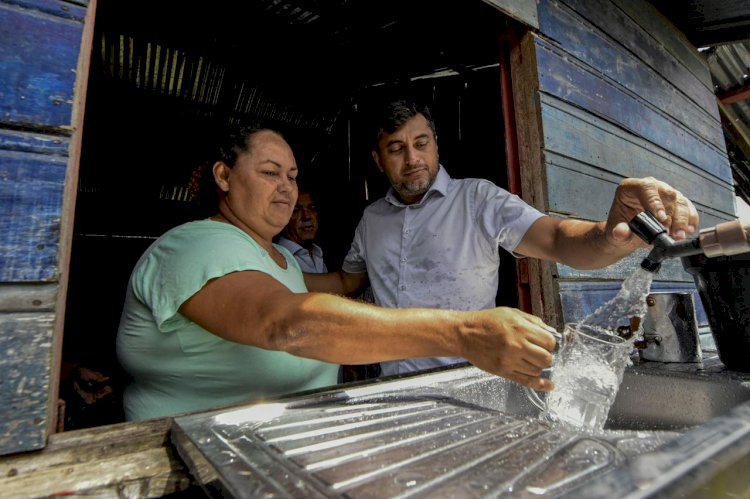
x=399, y=141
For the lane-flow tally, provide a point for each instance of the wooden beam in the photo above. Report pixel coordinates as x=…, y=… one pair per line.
x=736, y=95
x=736, y=128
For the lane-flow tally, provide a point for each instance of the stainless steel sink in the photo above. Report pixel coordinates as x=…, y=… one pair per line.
x=671, y=400
x=463, y=433
x=652, y=396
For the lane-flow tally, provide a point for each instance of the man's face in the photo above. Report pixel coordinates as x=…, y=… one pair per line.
x=409, y=158
x=303, y=226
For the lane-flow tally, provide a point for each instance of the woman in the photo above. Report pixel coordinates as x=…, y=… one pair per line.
x=216, y=314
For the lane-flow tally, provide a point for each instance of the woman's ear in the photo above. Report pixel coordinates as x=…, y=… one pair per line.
x=221, y=175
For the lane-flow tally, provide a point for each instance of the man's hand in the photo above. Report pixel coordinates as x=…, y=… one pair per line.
x=634, y=195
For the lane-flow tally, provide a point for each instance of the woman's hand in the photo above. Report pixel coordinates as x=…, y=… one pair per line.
x=512, y=344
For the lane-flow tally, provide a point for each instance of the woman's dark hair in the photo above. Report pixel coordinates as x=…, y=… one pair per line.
x=228, y=145
x=394, y=114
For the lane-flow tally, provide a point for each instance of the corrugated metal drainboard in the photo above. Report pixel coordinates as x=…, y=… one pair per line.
x=416, y=447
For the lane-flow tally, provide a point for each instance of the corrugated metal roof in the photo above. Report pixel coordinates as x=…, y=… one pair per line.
x=730, y=70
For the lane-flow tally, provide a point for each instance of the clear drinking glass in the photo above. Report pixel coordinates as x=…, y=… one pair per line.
x=587, y=372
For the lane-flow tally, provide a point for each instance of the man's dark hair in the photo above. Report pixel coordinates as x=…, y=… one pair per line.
x=394, y=114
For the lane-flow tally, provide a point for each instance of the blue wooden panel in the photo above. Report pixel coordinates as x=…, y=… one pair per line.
x=580, y=142
x=12, y=140
x=671, y=270
x=662, y=35
x=577, y=85
x=581, y=298
x=629, y=55
x=62, y=9
x=26, y=344
x=31, y=194
x=38, y=58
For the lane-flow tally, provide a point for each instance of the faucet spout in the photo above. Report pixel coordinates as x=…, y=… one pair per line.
x=727, y=238
x=647, y=227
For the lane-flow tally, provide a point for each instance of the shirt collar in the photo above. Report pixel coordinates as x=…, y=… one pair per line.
x=294, y=248
x=439, y=186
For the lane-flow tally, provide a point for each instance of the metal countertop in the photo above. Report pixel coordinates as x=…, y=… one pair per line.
x=460, y=432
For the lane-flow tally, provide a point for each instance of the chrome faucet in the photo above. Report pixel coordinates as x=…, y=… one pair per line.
x=727, y=238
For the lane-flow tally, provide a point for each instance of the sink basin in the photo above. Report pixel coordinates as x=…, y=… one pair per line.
x=650, y=398
x=461, y=432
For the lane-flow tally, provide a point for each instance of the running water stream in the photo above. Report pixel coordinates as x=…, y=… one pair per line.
x=590, y=370
x=629, y=302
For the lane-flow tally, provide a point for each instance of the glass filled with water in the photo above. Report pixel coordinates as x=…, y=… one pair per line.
x=587, y=372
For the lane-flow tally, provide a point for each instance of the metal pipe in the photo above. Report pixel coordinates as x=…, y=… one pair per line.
x=728, y=238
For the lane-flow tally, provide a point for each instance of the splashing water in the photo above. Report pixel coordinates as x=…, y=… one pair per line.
x=629, y=302
x=586, y=386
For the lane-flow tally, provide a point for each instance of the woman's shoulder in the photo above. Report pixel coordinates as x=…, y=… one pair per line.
x=205, y=231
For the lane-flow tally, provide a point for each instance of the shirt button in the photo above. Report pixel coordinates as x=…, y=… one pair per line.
x=403, y=287
x=403, y=259
x=406, y=232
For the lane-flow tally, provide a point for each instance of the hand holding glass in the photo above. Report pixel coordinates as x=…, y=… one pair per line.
x=587, y=372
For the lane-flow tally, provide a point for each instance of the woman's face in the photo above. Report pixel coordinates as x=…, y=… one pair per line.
x=261, y=189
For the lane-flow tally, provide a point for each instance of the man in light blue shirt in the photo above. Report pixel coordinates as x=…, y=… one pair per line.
x=434, y=241
x=299, y=235
x=440, y=252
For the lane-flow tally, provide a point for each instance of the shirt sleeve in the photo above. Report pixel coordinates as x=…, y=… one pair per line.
x=182, y=262
x=504, y=217
x=355, y=261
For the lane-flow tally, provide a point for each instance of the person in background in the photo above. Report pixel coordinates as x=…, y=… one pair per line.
x=216, y=314
x=432, y=241
x=299, y=234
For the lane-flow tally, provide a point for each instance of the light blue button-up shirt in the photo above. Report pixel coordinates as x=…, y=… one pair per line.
x=439, y=253
x=312, y=264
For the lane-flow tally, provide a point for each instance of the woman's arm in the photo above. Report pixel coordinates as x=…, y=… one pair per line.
x=254, y=309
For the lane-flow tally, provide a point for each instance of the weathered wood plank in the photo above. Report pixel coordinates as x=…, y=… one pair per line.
x=542, y=281
x=521, y=10
x=28, y=297
x=59, y=8
x=656, y=25
x=582, y=142
x=671, y=270
x=123, y=460
x=590, y=196
x=148, y=473
x=26, y=341
x=630, y=55
x=573, y=83
x=38, y=59
x=31, y=201
x=14, y=140
x=91, y=444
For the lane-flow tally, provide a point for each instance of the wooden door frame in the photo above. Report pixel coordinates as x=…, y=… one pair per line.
x=67, y=218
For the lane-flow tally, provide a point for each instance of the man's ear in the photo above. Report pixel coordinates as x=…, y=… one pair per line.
x=221, y=175
x=376, y=159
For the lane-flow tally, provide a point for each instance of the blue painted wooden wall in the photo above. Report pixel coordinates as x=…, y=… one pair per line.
x=609, y=89
x=40, y=42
